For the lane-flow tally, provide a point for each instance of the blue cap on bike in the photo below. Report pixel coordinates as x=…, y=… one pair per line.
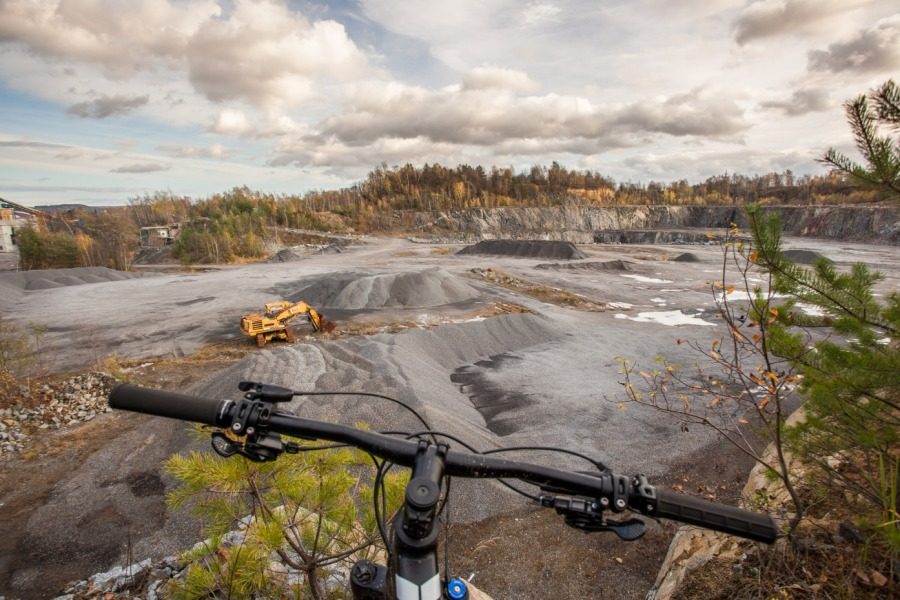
x=457, y=590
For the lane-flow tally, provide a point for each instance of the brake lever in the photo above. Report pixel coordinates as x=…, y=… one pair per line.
x=258, y=448
x=586, y=514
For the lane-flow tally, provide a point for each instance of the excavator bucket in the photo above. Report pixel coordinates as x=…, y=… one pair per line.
x=328, y=326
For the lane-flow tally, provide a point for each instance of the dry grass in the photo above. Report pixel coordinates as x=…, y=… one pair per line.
x=541, y=292
x=442, y=250
x=373, y=326
x=818, y=564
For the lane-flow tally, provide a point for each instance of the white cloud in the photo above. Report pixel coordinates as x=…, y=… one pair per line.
x=336, y=153
x=485, y=78
x=875, y=49
x=188, y=151
x=107, y=106
x=536, y=12
x=231, y=122
x=801, y=102
x=140, y=168
x=260, y=52
x=488, y=117
x=123, y=39
x=769, y=18
x=269, y=56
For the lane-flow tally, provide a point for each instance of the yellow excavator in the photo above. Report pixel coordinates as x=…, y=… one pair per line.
x=273, y=323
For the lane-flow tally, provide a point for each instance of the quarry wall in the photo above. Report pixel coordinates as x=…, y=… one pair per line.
x=581, y=224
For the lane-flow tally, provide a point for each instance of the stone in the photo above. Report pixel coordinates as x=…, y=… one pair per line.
x=118, y=577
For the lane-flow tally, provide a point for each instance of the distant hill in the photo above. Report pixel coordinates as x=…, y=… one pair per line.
x=54, y=208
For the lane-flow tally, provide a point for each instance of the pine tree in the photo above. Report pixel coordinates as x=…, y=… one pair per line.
x=279, y=529
x=850, y=368
x=880, y=152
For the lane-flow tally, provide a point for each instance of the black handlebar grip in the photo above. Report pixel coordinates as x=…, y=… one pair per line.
x=165, y=404
x=712, y=515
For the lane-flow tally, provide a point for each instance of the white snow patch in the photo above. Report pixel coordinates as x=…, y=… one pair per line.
x=658, y=300
x=673, y=290
x=647, y=279
x=622, y=305
x=666, y=317
x=811, y=309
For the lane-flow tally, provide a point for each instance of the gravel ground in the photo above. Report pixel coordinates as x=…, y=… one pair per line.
x=544, y=378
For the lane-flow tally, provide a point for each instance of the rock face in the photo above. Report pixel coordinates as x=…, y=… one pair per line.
x=876, y=224
x=693, y=548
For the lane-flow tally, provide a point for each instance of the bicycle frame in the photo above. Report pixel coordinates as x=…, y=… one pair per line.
x=412, y=572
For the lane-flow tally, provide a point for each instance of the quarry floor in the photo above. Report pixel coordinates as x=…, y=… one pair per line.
x=93, y=496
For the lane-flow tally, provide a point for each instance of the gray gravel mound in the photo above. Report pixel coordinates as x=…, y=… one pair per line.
x=53, y=278
x=609, y=265
x=43, y=284
x=687, y=257
x=414, y=367
x=355, y=291
x=805, y=257
x=525, y=249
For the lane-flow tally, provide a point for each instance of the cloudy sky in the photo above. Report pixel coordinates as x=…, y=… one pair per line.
x=102, y=100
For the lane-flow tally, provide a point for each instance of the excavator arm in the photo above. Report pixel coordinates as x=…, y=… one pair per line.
x=302, y=308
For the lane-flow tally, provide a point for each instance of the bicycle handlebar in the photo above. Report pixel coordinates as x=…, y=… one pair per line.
x=616, y=492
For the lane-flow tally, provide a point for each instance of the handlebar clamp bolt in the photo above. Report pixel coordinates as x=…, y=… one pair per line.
x=604, y=502
x=620, y=503
x=250, y=431
x=236, y=426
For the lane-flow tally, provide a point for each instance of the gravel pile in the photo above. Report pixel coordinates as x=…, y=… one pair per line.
x=53, y=278
x=687, y=257
x=609, y=265
x=285, y=255
x=355, y=291
x=75, y=400
x=525, y=249
x=331, y=249
x=300, y=252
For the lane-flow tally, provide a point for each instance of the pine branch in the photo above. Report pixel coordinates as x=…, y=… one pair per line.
x=880, y=152
x=887, y=103
x=864, y=125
